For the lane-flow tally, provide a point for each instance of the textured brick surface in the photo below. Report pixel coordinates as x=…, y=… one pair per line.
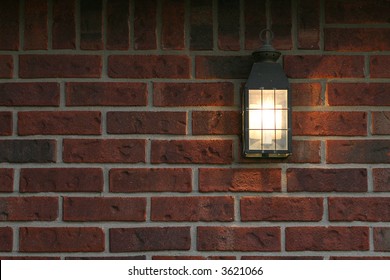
x=5, y=123
x=64, y=25
x=223, y=67
x=306, y=94
x=6, y=66
x=6, y=180
x=309, y=24
x=173, y=17
x=9, y=25
x=28, y=208
x=23, y=151
x=228, y=25
x=216, y=123
x=118, y=28
x=381, y=239
x=381, y=179
x=6, y=238
x=36, y=25
x=145, y=25
x=201, y=23
x=91, y=28
x=378, y=66
x=29, y=94
x=380, y=123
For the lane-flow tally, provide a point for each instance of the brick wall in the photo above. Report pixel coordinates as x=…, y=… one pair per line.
x=120, y=130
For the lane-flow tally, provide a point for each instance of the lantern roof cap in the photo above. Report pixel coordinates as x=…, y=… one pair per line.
x=267, y=52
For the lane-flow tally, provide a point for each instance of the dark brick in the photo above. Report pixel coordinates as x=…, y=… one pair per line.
x=6, y=180
x=6, y=239
x=229, y=25
x=9, y=25
x=5, y=123
x=28, y=208
x=201, y=20
x=91, y=25
x=381, y=179
x=145, y=24
x=29, y=94
x=255, y=21
x=216, y=123
x=6, y=66
x=382, y=239
x=64, y=25
x=24, y=151
x=223, y=67
x=379, y=66
x=35, y=25
x=309, y=24
x=281, y=24
x=380, y=123
x=173, y=17
x=306, y=94
x=118, y=29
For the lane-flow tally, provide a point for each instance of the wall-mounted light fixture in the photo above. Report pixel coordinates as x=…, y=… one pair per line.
x=266, y=105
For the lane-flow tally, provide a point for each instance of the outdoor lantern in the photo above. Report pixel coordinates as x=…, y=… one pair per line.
x=266, y=105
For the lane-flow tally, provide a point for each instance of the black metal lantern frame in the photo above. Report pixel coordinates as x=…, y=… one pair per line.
x=267, y=105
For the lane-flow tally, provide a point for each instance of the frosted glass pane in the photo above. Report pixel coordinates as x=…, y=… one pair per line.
x=255, y=99
x=254, y=139
x=255, y=117
x=281, y=119
x=281, y=98
x=268, y=99
x=268, y=119
x=282, y=142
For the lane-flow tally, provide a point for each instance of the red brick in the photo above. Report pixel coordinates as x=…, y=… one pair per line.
x=30, y=258
x=145, y=25
x=306, y=94
x=229, y=25
x=107, y=258
x=281, y=24
x=151, y=180
x=309, y=24
x=327, y=239
x=91, y=25
x=6, y=239
x=357, y=11
x=379, y=66
x=61, y=180
x=358, y=151
x=118, y=29
x=282, y=258
x=372, y=209
x=192, y=209
x=326, y=180
x=380, y=123
x=216, y=123
x=35, y=25
x=88, y=209
x=357, y=39
x=281, y=209
x=381, y=239
x=29, y=94
x=106, y=94
x=223, y=67
x=149, y=239
x=60, y=66
x=110, y=150
x=5, y=123
x=64, y=25
x=61, y=239
x=9, y=25
x=324, y=66
x=255, y=21
x=358, y=94
x=28, y=208
x=193, y=94
x=59, y=123
x=239, y=179
x=329, y=123
x=357, y=258
x=172, y=30
x=6, y=66
x=171, y=258
x=25, y=151
x=146, y=122
x=381, y=178
x=192, y=151
x=265, y=239
x=201, y=23
x=6, y=180
x=149, y=66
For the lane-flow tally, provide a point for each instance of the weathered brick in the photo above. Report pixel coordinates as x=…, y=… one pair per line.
x=327, y=239
x=381, y=239
x=357, y=258
x=91, y=25
x=326, y=180
x=358, y=94
x=192, y=209
x=372, y=209
x=107, y=258
x=201, y=21
x=146, y=122
x=35, y=25
x=171, y=258
x=255, y=21
x=118, y=29
x=60, y=66
x=6, y=66
x=223, y=67
x=151, y=180
x=9, y=25
x=61, y=239
x=6, y=180
x=5, y=123
x=380, y=123
x=193, y=94
x=281, y=209
x=6, y=239
x=358, y=151
x=239, y=179
x=29, y=94
x=309, y=24
x=106, y=94
x=104, y=150
x=148, y=66
x=381, y=178
x=229, y=25
x=61, y=180
x=379, y=66
x=149, y=239
x=64, y=25
x=329, y=123
x=192, y=151
x=28, y=208
x=172, y=30
x=29, y=258
x=216, y=123
x=24, y=151
x=281, y=24
x=265, y=239
x=306, y=94
x=324, y=66
x=88, y=209
x=357, y=39
x=145, y=25
x=59, y=123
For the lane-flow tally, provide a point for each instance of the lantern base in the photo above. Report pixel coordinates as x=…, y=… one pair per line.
x=266, y=155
